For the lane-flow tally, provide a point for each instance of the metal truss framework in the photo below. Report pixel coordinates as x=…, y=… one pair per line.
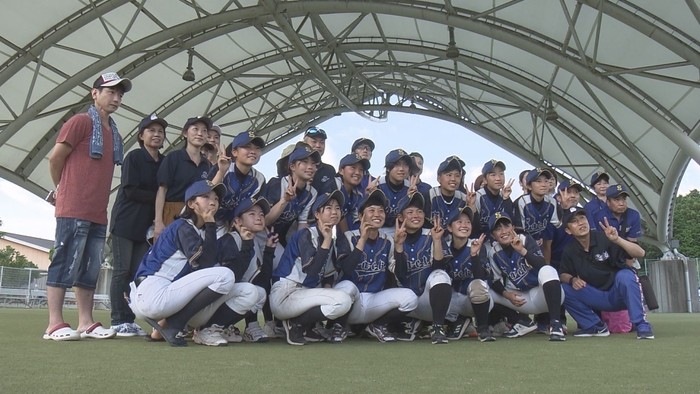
x=278, y=66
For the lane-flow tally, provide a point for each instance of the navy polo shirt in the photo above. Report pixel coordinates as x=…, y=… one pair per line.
x=131, y=217
x=599, y=265
x=324, y=173
x=178, y=172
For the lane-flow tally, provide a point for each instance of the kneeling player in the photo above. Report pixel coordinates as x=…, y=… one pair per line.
x=365, y=257
x=420, y=266
x=469, y=271
x=237, y=251
x=532, y=286
x=177, y=280
x=297, y=297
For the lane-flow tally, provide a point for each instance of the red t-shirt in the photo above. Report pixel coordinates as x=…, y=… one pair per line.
x=85, y=184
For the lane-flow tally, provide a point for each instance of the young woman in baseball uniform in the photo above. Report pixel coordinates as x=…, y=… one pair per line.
x=178, y=282
x=366, y=258
x=522, y=281
x=301, y=295
x=237, y=251
x=468, y=269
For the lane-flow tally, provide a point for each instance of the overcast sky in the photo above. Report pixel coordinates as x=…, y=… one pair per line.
x=24, y=213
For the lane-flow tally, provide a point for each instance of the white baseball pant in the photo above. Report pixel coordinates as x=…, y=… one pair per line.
x=534, y=298
x=369, y=307
x=289, y=299
x=423, y=311
x=461, y=304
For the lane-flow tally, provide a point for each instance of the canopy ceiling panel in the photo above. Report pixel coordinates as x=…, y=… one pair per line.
x=580, y=85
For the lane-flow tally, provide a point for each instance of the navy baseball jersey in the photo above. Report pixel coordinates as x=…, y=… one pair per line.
x=375, y=260
x=512, y=267
x=238, y=188
x=423, y=187
x=349, y=211
x=633, y=222
x=534, y=216
x=437, y=204
x=464, y=268
x=298, y=209
x=301, y=251
x=177, y=252
x=242, y=257
x=393, y=199
x=417, y=261
x=560, y=239
x=488, y=204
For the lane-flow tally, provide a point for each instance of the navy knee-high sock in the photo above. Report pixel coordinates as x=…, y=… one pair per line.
x=196, y=304
x=440, y=296
x=552, y=294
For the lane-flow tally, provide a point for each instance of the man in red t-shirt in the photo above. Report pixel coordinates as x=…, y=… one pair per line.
x=81, y=166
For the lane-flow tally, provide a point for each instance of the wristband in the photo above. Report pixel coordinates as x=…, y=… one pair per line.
x=571, y=281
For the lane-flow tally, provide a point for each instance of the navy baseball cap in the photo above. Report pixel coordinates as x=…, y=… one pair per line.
x=571, y=213
x=376, y=197
x=112, y=79
x=414, y=200
x=361, y=141
x=354, y=158
x=490, y=165
x=302, y=152
x=145, y=122
x=567, y=184
x=246, y=137
x=324, y=198
x=451, y=163
x=454, y=215
x=615, y=190
x=315, y=132
x=535, y=173
x=203, y=187
x=397, y=154
x=248, y=203
x=207, y=121
x=497, y=217
x=209, y=147
x=597, y=176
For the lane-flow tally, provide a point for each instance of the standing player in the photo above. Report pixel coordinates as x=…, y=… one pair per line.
x=469, y=271
x=536, y=210
x=495, y=196
x=395, y=185
x=596, y=274
x=316, y=137
x=241, y=180
x=179, y=170
x=420, y=264
x=418, y=162
x=364, y=147
x=599, y=183
x=237, y=251
x=442, y=200
x=366, y=257
x=298, y=295
x=522, y=281
x=352, y=169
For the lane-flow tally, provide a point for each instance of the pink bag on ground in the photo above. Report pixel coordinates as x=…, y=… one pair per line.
x=618, y=322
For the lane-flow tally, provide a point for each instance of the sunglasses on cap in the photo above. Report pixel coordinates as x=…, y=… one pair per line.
x=315, y=130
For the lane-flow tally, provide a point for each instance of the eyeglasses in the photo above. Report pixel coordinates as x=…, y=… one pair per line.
x=363, y=147
x=314, y=130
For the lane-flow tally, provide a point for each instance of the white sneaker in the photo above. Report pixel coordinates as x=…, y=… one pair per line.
x=124, y=330
x=253, y=333
x=230, y=334
x=139, y=331
x=210, y=336
x=273, y=331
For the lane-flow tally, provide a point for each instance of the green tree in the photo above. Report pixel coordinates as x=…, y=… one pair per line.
x=686, y=216
x=10, y=257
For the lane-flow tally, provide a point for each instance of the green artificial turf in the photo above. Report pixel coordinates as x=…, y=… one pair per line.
x=617, y=364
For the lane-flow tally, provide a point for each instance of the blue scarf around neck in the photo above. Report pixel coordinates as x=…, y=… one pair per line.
x=96, y=143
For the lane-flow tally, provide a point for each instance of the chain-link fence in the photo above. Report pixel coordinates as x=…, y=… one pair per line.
x=26, y=288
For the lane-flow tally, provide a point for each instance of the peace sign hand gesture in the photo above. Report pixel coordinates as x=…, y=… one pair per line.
x=471, y=196
x=475, y=247
x=516, y=242
x=290, y=193
x=245, y=232
x=272, y=237
x=224, y=161
x=437, y=231
x=400, y=234
x=508, y=189
x=413, y=185
x=372, y=186
x=610, y=231
x=564, y=196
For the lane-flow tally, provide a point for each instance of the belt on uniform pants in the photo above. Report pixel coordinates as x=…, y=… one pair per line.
x=138, y=280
